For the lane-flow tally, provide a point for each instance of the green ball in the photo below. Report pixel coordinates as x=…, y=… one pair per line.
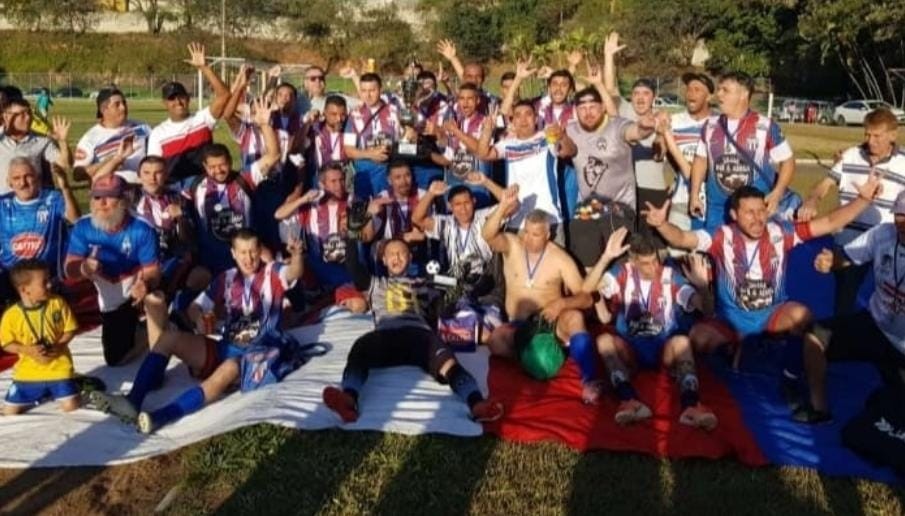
x=542, y=357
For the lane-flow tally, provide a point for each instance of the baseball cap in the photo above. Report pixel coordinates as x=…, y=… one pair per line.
x=899, y=206
x=104, y=95
x=589, y=94
x=108, y=186
x=346, y=292
x=173, y=89
x=647, y=83
x=700, y=77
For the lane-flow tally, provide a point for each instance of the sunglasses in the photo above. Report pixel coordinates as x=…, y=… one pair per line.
x=315, y=78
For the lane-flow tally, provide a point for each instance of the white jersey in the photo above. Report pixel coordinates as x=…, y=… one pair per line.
x=100, y=143
x=686, y=131
x=881, y=247
x=531, y=163
x=852, y=170
x=463, y=244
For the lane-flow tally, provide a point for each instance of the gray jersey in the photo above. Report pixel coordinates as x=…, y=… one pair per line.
x=648, y=171
x=604, y=161
x=399, y=302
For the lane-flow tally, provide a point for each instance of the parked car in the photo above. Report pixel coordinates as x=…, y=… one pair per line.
x=667, y=100
x=854, y=111
x=69, y=92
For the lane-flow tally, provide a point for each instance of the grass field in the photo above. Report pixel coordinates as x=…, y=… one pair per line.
x=272, y=470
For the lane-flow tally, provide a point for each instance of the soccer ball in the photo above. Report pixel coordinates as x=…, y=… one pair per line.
x=433, y=267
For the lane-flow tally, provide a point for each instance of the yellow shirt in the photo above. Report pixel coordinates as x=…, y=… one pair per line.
x=14, y=328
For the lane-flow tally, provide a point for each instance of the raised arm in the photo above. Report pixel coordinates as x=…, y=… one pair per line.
x=237, y=95
x=615, y=247
x=843, y=215
x=296, y=260
x=523, y=70
x=808, y=209
x=447, y=49
x=271, y=144
x=644, y=127
x=595, y=79
x=486, y=151
x=611, y=47
x=198, y=59
x=478, y=178
x=492, y=231
x=60, y=128
x=697, y=272
x=420, y=215
x=292, y=204
x=675, y=237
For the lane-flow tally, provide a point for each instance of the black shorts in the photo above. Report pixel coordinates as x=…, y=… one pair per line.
x=857, y=337
x=118, y=332
x=401, y=346
x=589, y=237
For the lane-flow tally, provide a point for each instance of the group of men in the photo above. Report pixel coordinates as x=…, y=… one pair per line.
x=542, y=228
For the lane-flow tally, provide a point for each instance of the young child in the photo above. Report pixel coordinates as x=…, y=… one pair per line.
x=38, y=328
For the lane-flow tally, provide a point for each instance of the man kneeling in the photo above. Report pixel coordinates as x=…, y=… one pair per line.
x=402, y=337
x=250, y=296
x=646, y=297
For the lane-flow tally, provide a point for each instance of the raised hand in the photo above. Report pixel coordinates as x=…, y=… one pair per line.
x=261, y=116
x=447, y=49
x=295, y=246
x=60, y=128
x=476, y=178
x=544, y=72
x=348, y=71
x=823, y=262
x=871, y=188
x=696, y=269
x=656, y=217
x=615, y=245
x=594, y=75
x=197, y=56
x=275, y=71
x=611, y=45
x=437, y=188
x=509, y=199
x=523, y=69
x=574, y=58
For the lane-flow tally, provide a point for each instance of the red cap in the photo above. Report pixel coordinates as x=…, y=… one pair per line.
x=346, y=292
x=108, y=186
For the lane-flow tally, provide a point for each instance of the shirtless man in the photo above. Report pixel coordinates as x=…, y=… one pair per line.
x=541, y=279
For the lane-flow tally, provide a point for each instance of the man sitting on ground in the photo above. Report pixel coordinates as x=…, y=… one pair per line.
x=647, y=325
x=249, y=298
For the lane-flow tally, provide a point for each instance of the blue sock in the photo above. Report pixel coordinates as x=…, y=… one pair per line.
x=793, y=357
x=148, y=378
x=583, y=352
x=464, y=385
x=187, y=402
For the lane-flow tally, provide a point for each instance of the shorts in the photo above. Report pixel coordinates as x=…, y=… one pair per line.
x=218, y=351
x=118, y=332
x=648, y=351
x=31, y=393
x=740, y=325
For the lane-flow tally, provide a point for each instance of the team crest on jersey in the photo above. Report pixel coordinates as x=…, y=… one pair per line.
x=600, y=144
x=27, y=245
x=43, y=215
x=126, y=246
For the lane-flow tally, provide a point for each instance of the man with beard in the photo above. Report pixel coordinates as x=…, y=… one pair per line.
x=100, y=143
x=249, y=297
x=319, y=218
x=603, y=162
x=750, y=257
x=324, y=138
x=542, y=282
x=180, y=137
x=739, y=148
x=17, y=139
x=878, y=152
x=682, y=137
x=369, y=135
x=222, y=199
x=118, y=253
x=33, y=219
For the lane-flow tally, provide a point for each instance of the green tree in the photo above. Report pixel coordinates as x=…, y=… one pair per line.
x=327, y=26
x=67, y=15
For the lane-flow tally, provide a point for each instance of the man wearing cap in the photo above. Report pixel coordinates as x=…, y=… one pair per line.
x=879, y=152
x=681, y=138
x=875, y=334
x=740, y=147
x=100, y=143
x=18, y=139
x=179, y=138
x=118, y=253
x=603, y=163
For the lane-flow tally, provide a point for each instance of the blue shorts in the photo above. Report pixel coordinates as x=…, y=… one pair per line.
x=31, y=393
x=751, y=323
x=648, y=351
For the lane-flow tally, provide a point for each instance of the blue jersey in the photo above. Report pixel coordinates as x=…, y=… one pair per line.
x=122, y=254
x=33, y=229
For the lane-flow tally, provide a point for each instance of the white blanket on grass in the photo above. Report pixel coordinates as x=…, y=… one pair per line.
x=402, y=400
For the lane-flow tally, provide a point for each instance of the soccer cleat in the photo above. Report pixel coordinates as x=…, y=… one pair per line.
x=807, y=414
x=631, y=411
x=486, y=411
x=115, y=404
x=144, y=423
x=342, y=403
x=699, y=416
x=590, y=392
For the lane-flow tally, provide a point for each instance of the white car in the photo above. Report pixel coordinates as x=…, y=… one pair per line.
x=854, y=111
